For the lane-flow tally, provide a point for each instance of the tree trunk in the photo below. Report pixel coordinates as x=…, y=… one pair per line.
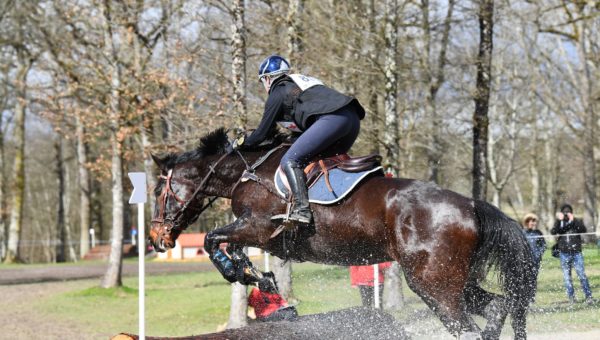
x=239, y=306
x=294, y=19
x=239, y=303
x=375, y=120
x=112, y=277
x=435, y=79
x=61, y=245
x=393, y=298
x=18, y=190
x=84, y=190
x=550, y=181
x=534, y=174
x=67, y=208
x=3, y=229
x=283, y=275
x=148, y=118
x=590, y=218
x=238, y=65
x=482, y=98
x=391, y=137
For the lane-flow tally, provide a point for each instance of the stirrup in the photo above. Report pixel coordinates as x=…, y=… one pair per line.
x=287, y=223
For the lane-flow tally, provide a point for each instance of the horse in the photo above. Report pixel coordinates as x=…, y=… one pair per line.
x=445, y=242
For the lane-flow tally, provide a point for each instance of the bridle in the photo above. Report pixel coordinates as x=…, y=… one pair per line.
x=167, y=192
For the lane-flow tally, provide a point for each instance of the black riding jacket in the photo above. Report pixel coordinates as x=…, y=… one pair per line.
x=569, y=243
x=287, y=102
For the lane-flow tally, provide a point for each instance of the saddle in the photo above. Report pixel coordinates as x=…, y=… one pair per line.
x=344, y=162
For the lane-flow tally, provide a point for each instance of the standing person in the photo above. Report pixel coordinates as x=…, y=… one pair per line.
x=363, y=277
x=535, y=239
x=569, y=246
x=328, y=121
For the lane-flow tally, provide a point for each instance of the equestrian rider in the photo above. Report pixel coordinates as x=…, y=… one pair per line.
x=328, y=123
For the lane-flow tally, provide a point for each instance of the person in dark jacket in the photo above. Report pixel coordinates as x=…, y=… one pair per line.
x=535, y=238
x=328, y=123
x=569, y=246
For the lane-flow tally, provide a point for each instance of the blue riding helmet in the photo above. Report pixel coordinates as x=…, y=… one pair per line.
x=272, y=66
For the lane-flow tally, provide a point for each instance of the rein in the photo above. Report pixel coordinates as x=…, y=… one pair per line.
x=168, y=191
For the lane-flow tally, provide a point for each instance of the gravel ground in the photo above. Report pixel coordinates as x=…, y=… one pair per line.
x=21, y=322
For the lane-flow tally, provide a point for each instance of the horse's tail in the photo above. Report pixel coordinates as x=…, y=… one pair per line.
x=502, y=244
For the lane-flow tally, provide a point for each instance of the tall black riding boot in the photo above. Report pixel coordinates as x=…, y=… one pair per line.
x=300, y=210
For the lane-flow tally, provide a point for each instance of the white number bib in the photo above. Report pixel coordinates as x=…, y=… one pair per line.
x=305, y=82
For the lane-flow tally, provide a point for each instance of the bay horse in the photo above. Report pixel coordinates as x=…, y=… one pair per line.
x=444, y=242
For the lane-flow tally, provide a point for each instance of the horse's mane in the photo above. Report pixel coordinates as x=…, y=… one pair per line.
x=216, y=142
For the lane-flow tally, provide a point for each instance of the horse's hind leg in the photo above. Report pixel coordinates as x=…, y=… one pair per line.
x=491, y=306
x=447, y=304
x=519, y=323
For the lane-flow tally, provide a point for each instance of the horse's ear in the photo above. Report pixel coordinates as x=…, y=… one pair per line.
x=159, y=162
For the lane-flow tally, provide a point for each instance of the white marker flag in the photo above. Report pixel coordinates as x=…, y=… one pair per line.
x=138, y=179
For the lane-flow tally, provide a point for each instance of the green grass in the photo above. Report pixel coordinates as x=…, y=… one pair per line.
x=186, y=304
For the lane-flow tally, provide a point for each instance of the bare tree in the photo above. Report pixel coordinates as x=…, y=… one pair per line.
x=3, y=106
x=295, y=30
x=391, y=134
x=239, y=300
x=435, y=77
x=21, y=41
x=14, y=230
x=84, y=188
x=112, y=277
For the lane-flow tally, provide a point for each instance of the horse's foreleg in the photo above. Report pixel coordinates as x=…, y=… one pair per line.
x=220, y=259
x=247, y=273
x=233, y=264
x=212, y=241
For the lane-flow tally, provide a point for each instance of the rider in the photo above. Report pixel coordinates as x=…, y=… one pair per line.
x=328, y=121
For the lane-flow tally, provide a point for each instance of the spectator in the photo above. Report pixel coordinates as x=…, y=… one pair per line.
x=270, y=306
x=364, y=278
x=569, y=246
x=535, y=238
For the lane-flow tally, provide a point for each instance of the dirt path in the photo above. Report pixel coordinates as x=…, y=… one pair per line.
x=93, y=271
x=21, y=322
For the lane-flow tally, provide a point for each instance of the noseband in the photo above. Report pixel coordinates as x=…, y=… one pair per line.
x=167, y=191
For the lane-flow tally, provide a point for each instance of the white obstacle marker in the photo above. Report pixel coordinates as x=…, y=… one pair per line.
x=138, y=196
